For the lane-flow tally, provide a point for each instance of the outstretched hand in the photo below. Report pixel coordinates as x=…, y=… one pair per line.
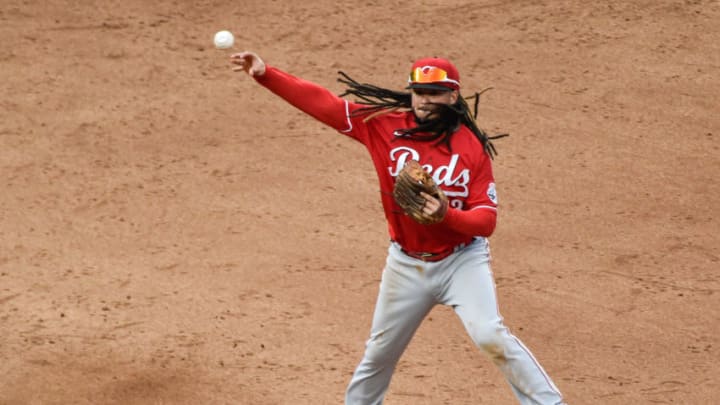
x=250, y=62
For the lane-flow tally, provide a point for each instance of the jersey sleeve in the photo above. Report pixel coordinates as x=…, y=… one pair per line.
x=314, y=100
x=472, y=223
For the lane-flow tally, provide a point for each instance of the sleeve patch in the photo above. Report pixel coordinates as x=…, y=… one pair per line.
x=491, y=193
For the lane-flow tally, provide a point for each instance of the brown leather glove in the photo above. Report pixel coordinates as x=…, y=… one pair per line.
x=412, y=180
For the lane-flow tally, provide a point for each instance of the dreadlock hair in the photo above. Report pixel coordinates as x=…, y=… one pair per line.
x=439, y=129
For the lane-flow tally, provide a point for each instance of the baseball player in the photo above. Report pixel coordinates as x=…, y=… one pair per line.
x=438, y=251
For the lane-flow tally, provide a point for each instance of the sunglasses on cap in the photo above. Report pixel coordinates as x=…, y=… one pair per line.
x=430, y=74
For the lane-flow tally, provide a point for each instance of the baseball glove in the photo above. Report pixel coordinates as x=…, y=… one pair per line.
x=412, y=180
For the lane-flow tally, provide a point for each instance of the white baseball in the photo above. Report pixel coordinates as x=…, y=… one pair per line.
x=224, y=39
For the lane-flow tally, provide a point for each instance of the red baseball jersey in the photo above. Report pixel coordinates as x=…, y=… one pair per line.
x=464, y=173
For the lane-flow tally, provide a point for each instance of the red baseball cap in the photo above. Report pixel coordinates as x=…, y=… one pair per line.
x=434, y=73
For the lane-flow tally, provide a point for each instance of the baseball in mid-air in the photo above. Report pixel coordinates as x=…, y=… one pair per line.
x=224, y=39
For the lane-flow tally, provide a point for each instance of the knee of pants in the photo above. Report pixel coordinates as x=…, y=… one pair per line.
x=489, y=338
x=382, y=352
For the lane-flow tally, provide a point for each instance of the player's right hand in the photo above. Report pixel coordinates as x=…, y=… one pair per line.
x=250, y=62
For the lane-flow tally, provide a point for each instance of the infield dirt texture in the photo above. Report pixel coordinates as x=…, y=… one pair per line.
x=172, y=233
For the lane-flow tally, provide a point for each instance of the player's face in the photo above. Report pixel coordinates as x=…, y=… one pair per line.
x=424, y=101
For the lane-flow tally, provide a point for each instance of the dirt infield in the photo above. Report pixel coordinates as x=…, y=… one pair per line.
x=171, y=233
